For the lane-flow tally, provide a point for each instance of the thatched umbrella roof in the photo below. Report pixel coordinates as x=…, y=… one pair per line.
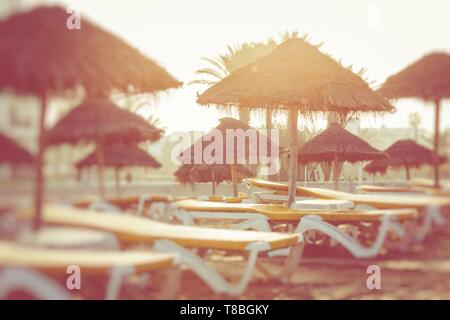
x=202, y=173
x=336, y=142
x=119, y=156
x=377, y=166
x=100, y=118
x=12, y=153
x=240, y=144
x=39, y=54
x=428, y=78
x=251, y=147
x=407, y=152
x=296, y=75
x=100, y=121
x=403, y=153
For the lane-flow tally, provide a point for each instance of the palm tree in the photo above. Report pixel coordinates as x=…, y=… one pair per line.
x=414, y=121
x=236, y=57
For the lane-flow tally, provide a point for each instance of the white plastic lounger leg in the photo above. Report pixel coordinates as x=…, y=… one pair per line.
x=141, y=205
x=159, y=211
x=172, y=283
x=185, y=217
x=293, y=260
x=31, y=281
x=105, y=207
x=116, y=277
x=258, y=224
x=210, y=276
x=359, y=251
x=433, y=216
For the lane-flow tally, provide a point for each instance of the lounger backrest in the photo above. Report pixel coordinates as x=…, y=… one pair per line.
x=91, y=262
x=377, y=201
x=281, y=213
x=133, y=229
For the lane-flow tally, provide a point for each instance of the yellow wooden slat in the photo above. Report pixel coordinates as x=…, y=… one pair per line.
x=90, y=262
x=279, y=212
x=142, y=230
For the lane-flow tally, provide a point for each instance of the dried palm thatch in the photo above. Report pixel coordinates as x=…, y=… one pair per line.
x=100, y=119
x=40, y=56
x=238, y=144
x=251, y=143
x=214, y=173
x=377, y=166
x=337, y=143
x=119, y=156
x=298, y=77
x=13, y=154
x=407, y=152
x=404, y=153
x=427, y=79
x=202, y=173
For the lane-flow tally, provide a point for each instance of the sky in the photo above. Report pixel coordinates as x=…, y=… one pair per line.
x=381, y=36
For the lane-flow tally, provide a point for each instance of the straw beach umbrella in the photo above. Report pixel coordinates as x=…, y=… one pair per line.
x=378, y=166
x=239, y=143
x=40, y=56
x=100, y=121
x=13, y=154
x=335, y=144
x=297, y=77
x=119, y=156
x=214, y=173
x=404, y=153
x=427, y=79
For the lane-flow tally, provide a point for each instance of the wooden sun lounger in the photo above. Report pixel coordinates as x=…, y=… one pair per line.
x=122, y=201
x=116, y=264
x=410, y=190
x=376, y=201
x=175, y=238
x=389, y=189
x=261, y=216
x=429, y=183
x=281, y=213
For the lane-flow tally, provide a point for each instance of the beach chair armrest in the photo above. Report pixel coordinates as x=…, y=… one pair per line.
x=359, y=251
x=31, y=281
x=210, y=276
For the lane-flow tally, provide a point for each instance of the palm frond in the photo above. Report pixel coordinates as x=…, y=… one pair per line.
x=211, y=72
x=203, y=82
x=218, y=63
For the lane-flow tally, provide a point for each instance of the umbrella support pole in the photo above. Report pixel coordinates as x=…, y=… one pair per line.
x=408, y=173
x=39, y=182
x=234, y=179
x=336, y=173
x=269, y=114
x=213, y=181
x=293, y=118
x=117, y=178
x=437, y=120
x=100, y=164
